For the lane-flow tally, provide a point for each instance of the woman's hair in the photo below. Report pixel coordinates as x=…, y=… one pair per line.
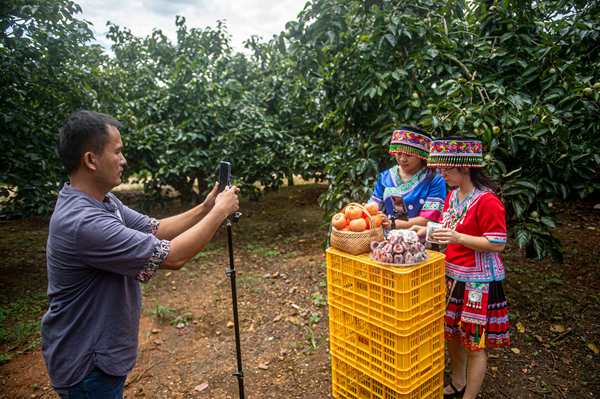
x=431, y=172
x=480, y=179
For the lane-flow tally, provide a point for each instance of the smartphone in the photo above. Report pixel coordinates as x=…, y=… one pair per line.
x=399, y=207
x=224, y=175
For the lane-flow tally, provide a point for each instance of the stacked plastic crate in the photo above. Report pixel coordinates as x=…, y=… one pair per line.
x=386, y=327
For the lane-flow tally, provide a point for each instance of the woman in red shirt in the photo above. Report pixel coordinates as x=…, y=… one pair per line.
x=474, y=230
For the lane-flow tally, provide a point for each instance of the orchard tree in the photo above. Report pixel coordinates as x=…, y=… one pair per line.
x=518, y=75
x=190, y=104
x=45, y=73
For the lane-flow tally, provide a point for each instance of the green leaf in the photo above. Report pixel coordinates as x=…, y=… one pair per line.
x=281, y=44
x=523, y=236
x=527, y=184
x=520, y=207
x=391, y=39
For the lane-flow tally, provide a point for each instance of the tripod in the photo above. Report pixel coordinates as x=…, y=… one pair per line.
x=231, y=274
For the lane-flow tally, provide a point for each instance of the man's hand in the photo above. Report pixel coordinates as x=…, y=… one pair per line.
x=420, y=230
x=385, y=222
x=209, y=201
x=228, y=200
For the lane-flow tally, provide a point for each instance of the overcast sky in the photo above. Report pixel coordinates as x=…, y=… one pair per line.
x=243, y=18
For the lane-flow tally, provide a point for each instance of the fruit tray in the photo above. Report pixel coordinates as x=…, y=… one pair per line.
x=399, y=264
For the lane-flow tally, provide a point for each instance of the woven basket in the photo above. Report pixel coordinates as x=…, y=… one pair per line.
x=356, y=243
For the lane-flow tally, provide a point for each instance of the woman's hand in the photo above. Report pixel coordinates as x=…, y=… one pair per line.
x=420, y=230
x=447, y=236
x=385, y=222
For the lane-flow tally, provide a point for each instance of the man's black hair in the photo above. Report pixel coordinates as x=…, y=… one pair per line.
x=81, y=132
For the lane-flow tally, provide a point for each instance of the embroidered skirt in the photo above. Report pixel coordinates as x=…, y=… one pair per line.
x=477, y=314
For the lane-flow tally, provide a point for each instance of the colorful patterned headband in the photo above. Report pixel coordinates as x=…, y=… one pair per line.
x=453, y=152
x=410, y=143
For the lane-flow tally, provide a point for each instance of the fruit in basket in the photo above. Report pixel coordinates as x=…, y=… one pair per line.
x=374, y=245
x=358, y=225
x=353, y=212
x=372, y=208
x=399, y=249
x=368, y=222
x=377, y=220
x=347, y=228
x=339, y=221
x=398, y=258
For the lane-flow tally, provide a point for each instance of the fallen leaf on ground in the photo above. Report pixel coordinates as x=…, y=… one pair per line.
x=158, y=342
x=516, y=351
x=494, y=369
x=539, y=338
x=493, y=356
x=201, y=387
x=593, y=347
x=534, y=364
x=565, y=360
x=557, y=328
x=520, y=327
x=532, y=379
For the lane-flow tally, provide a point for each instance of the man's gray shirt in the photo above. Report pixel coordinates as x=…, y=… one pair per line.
x=95, y=254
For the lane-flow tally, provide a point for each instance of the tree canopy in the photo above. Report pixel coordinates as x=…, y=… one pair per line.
x=321, y=100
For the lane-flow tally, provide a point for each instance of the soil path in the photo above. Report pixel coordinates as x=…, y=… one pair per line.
x=187, y=348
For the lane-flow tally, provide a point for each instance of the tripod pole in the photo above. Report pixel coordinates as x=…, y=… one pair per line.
x=231, y=273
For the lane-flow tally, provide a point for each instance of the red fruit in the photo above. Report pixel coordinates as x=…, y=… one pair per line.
x=353, y=212
x=367, y=221
x=339, y=221
x=377, y=220
x=372, y=208
x=358, y=224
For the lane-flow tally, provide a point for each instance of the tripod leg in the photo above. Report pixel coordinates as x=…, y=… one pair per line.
x=231, y=273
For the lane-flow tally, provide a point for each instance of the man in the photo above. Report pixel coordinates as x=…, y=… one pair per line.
x=98, y=252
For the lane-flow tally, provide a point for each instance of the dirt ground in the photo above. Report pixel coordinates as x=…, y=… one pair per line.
x=187, y=347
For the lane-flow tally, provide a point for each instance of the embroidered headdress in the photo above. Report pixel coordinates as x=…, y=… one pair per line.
x=410, y=141
x=452, y=152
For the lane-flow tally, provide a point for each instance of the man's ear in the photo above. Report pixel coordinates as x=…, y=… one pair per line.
x=89, y=160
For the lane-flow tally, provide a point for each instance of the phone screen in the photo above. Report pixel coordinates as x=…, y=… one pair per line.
x=399, y=207
x=224, y=173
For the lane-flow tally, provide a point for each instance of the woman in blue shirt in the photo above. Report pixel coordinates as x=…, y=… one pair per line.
x=423, y=190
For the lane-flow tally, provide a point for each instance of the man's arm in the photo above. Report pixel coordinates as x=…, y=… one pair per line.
x=187, y=244
x=173, y=226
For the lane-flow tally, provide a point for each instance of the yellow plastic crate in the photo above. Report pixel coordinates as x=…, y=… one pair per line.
x=402, y=361
x=400, y=299
x=350, y=383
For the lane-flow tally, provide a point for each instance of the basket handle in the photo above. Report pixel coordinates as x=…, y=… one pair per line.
x=362, y=208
